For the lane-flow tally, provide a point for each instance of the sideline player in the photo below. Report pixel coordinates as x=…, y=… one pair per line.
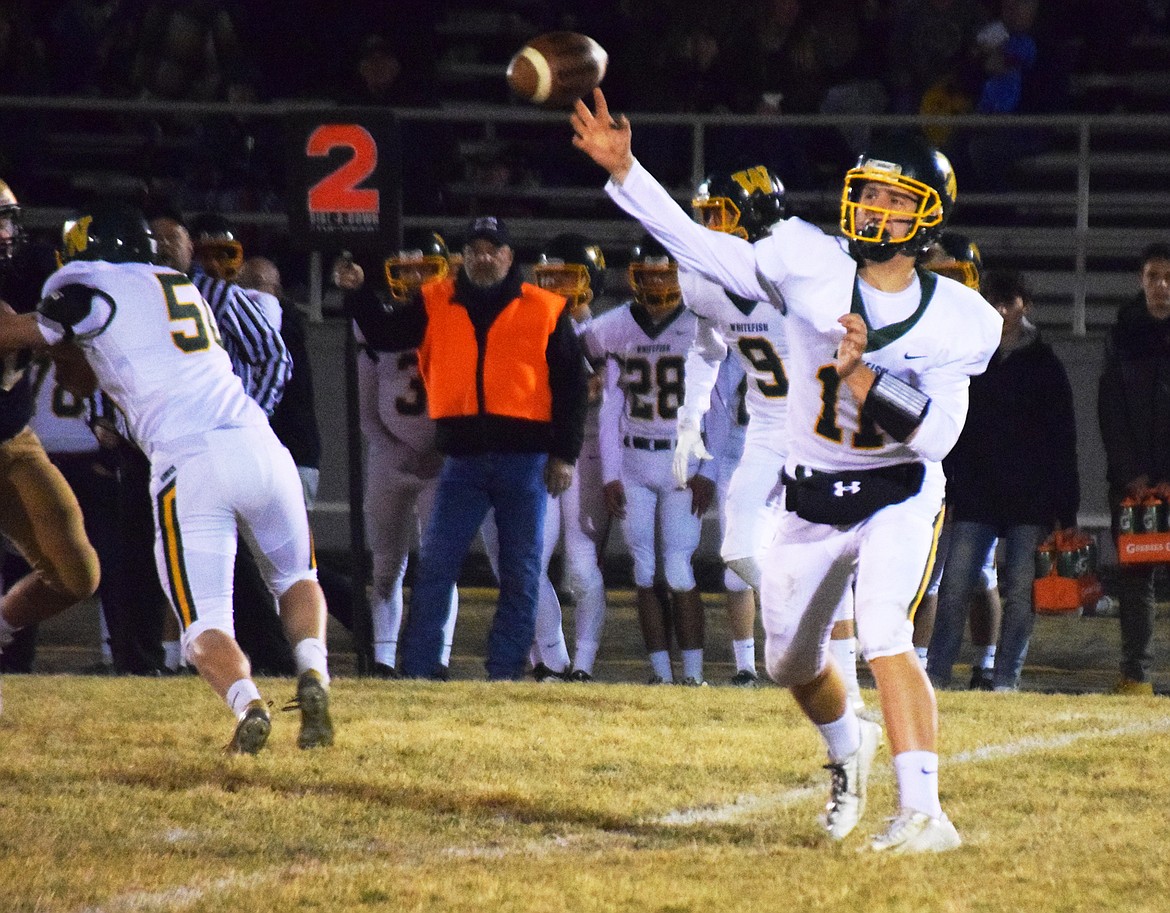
x=880, y=359
x=216, y=465
x=644, y=344
x=402, y=460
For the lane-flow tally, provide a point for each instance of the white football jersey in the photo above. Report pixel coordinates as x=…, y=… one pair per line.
x=645, y=370
x=153, y=344
x=754, y=332
x=60, y=419
x=727, y=422
x=596, y=380
x=402, y=400
x=936, y=345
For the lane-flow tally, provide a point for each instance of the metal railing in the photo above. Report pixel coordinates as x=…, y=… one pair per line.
x=1092, y=196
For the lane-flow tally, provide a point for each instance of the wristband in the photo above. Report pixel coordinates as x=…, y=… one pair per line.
x=895, y=406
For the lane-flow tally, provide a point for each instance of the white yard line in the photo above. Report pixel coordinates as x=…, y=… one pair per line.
x=182, y=897
x=749, y=805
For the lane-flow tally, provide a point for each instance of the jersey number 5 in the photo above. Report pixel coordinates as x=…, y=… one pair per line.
x=186, y=306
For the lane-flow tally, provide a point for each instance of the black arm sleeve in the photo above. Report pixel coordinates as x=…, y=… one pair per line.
x=568, y=379
x=394, y=328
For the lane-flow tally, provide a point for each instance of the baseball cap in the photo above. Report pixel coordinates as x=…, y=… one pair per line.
x=489, y=228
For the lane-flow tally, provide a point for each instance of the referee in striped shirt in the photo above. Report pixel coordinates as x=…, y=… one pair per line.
x=250, y=336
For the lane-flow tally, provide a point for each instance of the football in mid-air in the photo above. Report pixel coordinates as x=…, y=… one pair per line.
x=557, y=68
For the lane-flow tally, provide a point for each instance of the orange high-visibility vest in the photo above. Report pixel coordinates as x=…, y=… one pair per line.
x=509, y=378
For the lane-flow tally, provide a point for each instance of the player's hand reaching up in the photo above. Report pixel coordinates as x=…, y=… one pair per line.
x=602, y=137
x=858, y=376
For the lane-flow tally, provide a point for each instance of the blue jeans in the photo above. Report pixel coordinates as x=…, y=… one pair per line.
x=513, y=484
x=961, y=575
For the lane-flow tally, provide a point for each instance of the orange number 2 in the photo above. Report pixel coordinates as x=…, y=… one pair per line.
x=338, y=190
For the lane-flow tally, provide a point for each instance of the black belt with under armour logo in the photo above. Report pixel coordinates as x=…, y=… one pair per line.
x=846, y=498
x=648, y=443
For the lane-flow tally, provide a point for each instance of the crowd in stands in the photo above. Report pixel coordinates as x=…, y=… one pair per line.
x=766, y=56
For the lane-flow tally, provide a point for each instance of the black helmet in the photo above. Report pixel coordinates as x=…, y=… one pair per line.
x=956, y=256
x=746, y=203
x=654, y=276
x=422, y=257
x=10, y=214
x=114, y=232
x=217, y=248
x=572, y=266
x=905, y=162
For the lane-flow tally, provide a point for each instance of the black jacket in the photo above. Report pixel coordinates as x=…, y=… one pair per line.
x=1133, y=398
x=1016, y=459
x=401, y=327
x=294, y=419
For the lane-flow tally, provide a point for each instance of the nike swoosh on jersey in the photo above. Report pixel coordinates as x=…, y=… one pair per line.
x=908, y=355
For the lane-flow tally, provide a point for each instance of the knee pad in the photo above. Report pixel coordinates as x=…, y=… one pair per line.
x=189, y=636
x=680, y=576
x=733, y=583
x=844, y=611
x=586, y=578
x=746, y=570
x=643, y=571
x=885, y=640
x=788, y=668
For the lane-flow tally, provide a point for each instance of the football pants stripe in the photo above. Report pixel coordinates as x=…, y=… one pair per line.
x=172, y=542
x=924, y=584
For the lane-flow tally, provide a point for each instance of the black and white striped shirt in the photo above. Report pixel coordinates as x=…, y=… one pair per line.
x=258, y=354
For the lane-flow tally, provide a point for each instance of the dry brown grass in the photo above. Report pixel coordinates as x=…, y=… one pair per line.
x=115, y=798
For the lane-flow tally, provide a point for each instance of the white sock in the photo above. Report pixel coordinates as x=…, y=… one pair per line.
x=917, y=773
x=920, y=652
x=106, y=651
x=445, y=654
x=241, y=694
x=385, y=651
x=988, y=661
x=745, y=654
x=311, y=655
x=843, y=736
x=172, y=654
x=844, y=651
x=660, y=663
x=585, y=655
x=555, y=655
x=692, y=662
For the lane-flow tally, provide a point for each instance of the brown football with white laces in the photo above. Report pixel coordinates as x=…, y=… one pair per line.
x=557, y=68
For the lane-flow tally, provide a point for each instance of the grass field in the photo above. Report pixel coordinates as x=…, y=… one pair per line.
x=115, y=795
